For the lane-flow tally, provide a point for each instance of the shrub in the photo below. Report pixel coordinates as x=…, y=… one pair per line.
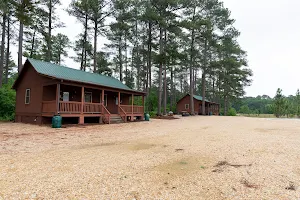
x=231, y=112
x=7, y=103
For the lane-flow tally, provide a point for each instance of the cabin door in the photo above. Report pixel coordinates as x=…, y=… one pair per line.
x=66, y=96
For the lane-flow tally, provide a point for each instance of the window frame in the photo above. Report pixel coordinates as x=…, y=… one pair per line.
x=91, y=97
x=27, y=95
x=186, y=106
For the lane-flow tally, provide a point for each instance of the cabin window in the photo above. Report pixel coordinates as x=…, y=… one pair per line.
x=187, y=106
x=88, y=97
x=27, y=96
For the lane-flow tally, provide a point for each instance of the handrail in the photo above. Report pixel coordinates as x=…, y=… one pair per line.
x=136, y=109
x=123, y=115
x=106, y=113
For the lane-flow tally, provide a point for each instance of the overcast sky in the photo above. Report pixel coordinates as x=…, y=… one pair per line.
x=270, y=34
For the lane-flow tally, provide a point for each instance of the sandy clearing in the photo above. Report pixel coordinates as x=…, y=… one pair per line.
x=189, y=158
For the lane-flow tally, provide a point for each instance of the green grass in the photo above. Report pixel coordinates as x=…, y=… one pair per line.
x=258, y=116
x=264, y=116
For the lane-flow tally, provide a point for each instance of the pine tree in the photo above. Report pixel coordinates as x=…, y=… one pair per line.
x=61, y=43
x=103, y=64
x=279, y=105
x=297, y=102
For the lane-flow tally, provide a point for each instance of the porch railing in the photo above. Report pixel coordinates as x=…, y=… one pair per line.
x=49, y=107
x=122, y=113
x=92, y=108
x=69, y=107
x=106, y=114
x=128, y=109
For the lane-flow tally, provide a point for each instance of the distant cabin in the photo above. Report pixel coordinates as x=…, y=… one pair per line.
x=44, y=89
x=183, y=105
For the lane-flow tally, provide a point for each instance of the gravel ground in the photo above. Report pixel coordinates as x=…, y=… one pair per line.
x=188, y=158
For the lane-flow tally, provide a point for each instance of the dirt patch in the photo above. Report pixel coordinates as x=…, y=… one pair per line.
x=140, y=146
x=94, y=145
x=291, y=186
x=221, y=166
x=247, y=184
x=183, y=166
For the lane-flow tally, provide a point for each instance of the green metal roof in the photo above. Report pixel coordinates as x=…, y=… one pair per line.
x=198, y=97
x=66, y=73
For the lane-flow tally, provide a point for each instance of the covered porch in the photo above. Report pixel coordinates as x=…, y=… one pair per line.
x=210, y=108
x=74, y=100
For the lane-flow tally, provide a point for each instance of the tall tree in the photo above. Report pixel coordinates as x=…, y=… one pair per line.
x=279, y=104
x=24, y=11
x=103, y=64
x=4, y=20
x=52, y=22
x=99, y=10
x=81, y=10
x=297, y=98
x=61, y=43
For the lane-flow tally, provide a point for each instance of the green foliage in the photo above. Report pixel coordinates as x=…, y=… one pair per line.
x=280, y=104
x=297, y=103
x=231, y=112
x=261, y=103
x=7, y=103
x=103, y=65
x=61, y=43
x=244, y=109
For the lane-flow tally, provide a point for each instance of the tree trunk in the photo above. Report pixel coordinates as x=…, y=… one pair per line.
x=203, y=82
x=195, y=80
x=203, y=77
x=160, y=69
x=95, y=45
x=120, y=59
x=20, y=51
x=165, y=75
x=2, y=48
x=85, y=42
x=7, y=50
x=214, y=91
x=225, y=105
x=126, y=66
x=192, y=109
x=32, y=44
x=149, y=56
x=49, y=53
x=172, y=91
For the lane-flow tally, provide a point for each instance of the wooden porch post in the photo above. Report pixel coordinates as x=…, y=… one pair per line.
x=119, y=101
x=57, y=97
x=81, y=118
x=132, y=101
x=102, y=99
x=132, y=97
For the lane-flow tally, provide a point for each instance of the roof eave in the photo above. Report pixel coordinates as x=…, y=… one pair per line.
x=53, y=77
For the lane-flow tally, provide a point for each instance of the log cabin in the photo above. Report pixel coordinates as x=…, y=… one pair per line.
x=45, y=89
x=183, y=105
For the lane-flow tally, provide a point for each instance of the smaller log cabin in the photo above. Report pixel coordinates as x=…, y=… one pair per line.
x=183, y=105
x=44, y=89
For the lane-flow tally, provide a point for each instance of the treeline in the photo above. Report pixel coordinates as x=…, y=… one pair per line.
x=166, y=48
x=279, y=105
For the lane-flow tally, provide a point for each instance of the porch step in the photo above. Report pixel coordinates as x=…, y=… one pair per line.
x=116, y=119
